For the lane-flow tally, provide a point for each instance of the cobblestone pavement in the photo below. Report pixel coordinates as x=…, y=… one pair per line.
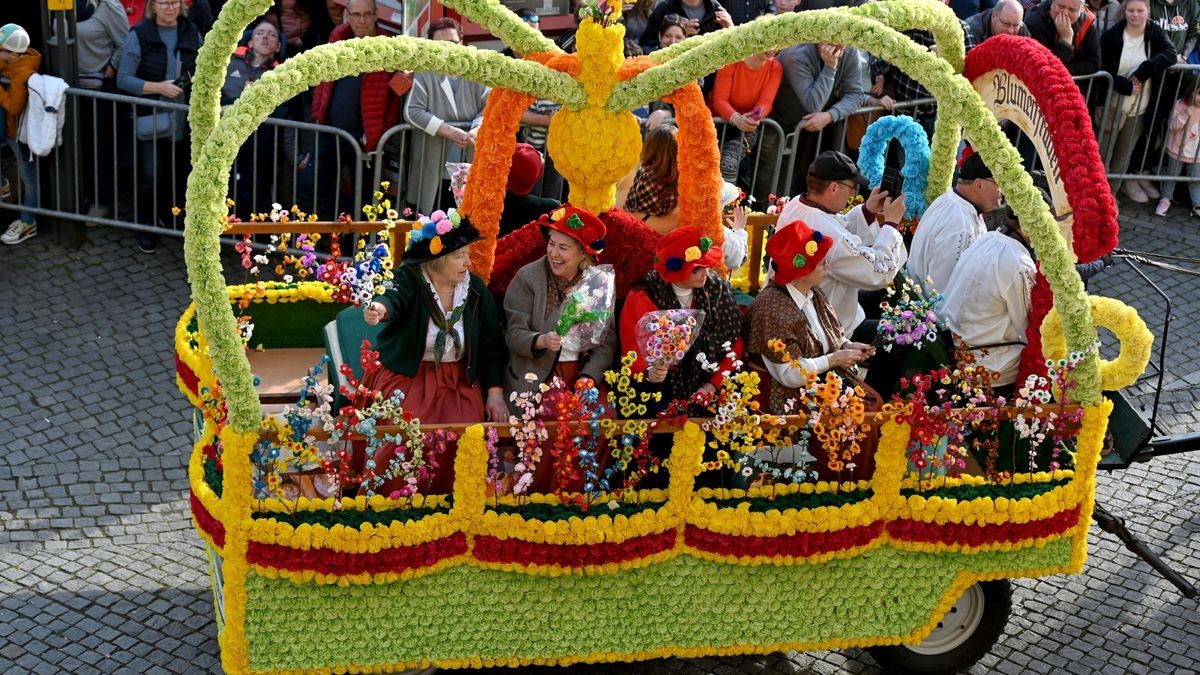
x=101, y=572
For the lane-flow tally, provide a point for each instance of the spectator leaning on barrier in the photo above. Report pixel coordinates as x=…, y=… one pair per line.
x=866, y=255
x=363, y=106
x=698, y=17
x=1180, y=20
x=1006, y=18
x=436, y=104
x=1135, y=53
x=100, y=31
x=889, y=82
x=743, y=95
x=158, y=62
x=1183, y=148
x=951, y=224
x=1066, y=28
x=822, y=85
x=18, y=62
x=257, y=159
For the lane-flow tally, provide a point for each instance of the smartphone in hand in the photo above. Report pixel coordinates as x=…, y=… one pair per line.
x=893, y=181
x=755, y=114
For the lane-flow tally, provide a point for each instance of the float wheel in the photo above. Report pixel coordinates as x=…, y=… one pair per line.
x=963, y=636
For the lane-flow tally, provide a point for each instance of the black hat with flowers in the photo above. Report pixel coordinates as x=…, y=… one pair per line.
x=439, y=234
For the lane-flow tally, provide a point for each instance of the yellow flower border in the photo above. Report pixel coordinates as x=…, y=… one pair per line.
x=1135, y=338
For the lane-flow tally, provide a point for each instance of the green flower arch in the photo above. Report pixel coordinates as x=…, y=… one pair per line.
x=217, y=138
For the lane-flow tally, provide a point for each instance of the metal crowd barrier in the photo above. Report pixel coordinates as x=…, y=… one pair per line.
x=325, y=171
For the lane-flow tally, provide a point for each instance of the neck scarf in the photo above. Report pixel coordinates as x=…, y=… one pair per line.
x=445, y=322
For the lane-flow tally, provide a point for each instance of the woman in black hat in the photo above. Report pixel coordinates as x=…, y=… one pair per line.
x=442, y=344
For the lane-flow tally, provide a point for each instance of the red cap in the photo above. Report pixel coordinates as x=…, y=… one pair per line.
x=580, y=224
x=795, y=250
x=526, y=169
x=681, y=251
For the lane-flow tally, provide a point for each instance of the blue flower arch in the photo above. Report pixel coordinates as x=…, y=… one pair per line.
x=916, y=157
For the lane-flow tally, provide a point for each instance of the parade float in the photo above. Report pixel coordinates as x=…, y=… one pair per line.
x=911, y=561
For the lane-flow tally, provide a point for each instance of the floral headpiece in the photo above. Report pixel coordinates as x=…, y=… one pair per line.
x=580, y=224
x=438, y=234
x=601, y=11
x=683, y=250
x=795, y=250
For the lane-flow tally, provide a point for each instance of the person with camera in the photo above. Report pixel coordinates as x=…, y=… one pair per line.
x=866, y=255
x=157, y=62
x=698, y=17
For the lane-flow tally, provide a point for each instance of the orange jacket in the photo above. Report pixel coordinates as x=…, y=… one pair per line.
x=14, y=97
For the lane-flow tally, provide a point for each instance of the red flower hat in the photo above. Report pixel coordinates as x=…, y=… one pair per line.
x=796, y=249
x=581, y=225
x=682, y=250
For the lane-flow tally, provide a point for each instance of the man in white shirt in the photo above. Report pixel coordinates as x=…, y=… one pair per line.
x=987, y=300
x=951, y=224
x=866, y=255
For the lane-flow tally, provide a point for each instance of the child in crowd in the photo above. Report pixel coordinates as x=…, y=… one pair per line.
x=1183, y=147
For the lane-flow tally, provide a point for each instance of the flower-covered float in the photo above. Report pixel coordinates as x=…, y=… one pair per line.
x=910, y=561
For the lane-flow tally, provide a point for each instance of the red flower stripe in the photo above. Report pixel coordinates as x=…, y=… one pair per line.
x=983, y=535
x=800, y=545
x=211, y=526
x=190, y=380
x=496, y=550
x=1095, y=228
x=324, y=561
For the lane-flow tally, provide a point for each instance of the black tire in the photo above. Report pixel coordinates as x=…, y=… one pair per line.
x=946, y=650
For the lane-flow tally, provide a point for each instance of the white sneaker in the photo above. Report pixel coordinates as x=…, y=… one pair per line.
x=1149, y=189
x=1162, y=207
x=1134, y=191
x=18, y=231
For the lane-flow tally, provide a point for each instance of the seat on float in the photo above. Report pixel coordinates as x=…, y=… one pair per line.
x=343, y=342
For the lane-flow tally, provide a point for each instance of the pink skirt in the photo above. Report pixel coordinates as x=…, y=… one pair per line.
x=435, y=395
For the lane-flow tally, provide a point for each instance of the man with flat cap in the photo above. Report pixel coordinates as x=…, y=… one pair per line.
x=866, y=255
x=951, y=224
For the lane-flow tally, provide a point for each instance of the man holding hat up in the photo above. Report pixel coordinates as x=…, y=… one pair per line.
x=951, y=224
x=865, y=255
x=18, y=62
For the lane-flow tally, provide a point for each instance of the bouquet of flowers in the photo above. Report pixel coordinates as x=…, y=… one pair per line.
x=666, y=335
x=587, y=309
x=459, y=172
x=912, y=319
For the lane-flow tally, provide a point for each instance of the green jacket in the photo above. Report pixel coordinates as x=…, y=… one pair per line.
x=1180, y=21
x=401, y=343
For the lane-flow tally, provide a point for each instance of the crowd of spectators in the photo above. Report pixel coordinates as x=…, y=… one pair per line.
x=147, y=49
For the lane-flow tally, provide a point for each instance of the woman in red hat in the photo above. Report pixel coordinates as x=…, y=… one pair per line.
x=533, y=304
x=792, y=308
x=534, y=301
x=441, y=344
x=683, y=278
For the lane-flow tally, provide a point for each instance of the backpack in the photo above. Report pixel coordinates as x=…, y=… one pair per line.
x=42, y=123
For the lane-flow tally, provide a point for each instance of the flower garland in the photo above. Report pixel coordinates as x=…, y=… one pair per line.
x=1135, y=339
x=484, y=199
x=916, y=157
